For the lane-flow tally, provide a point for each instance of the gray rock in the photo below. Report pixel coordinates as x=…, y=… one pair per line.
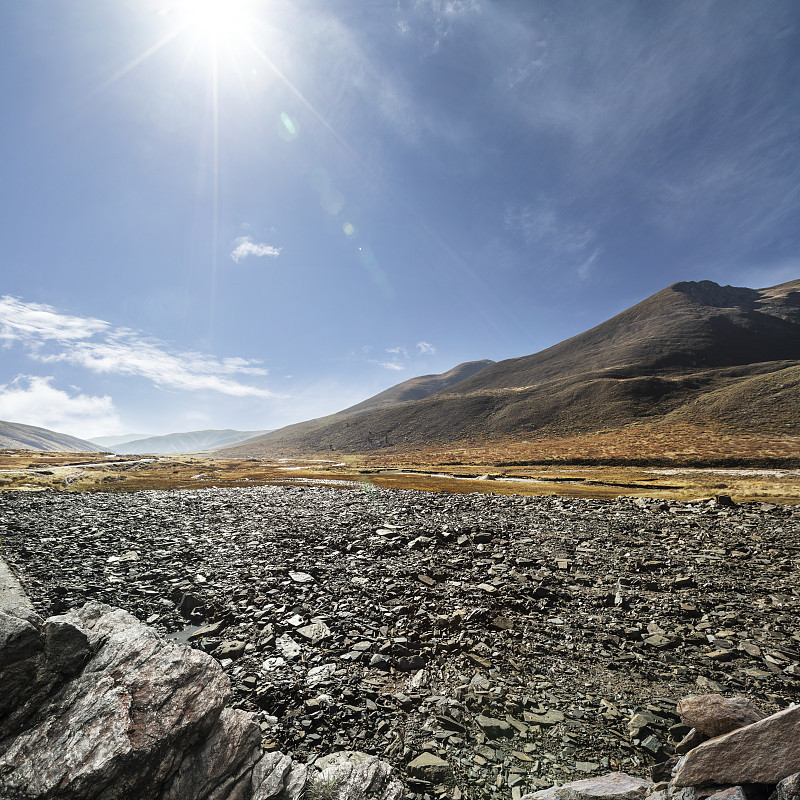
x=429, y=767
x=141, y=717
x=354, y=776
x=787, y=789
x=729, y=793
x=21, y=654
x=765, y=752
x=269, y=775
x=315, y=633
x=230, y=649
x=67, y=646
x=221, y=766
x=715, y=715
x=117, y=727
x=614, y=786
x=690, y=741
x=494, y=728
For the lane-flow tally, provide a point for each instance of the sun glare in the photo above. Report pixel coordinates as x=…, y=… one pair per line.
x=214, y=19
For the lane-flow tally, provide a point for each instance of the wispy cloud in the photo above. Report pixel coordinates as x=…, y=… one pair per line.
x=685, y=127
x=557, y=240
x=245, y=247
x=32, y=400
x=401, y=356
x=35, y=322
x=52, y=337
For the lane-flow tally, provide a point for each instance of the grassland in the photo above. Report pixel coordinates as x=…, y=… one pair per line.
x=681, y=463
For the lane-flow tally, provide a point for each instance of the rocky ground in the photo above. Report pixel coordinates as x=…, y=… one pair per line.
x=524, y=641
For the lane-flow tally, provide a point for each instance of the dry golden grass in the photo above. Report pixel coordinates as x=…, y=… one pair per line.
x=684, y=464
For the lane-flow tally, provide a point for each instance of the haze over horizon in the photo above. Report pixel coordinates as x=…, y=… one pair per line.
x=247, y=214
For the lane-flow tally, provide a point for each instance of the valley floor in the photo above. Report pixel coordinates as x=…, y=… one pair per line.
x=526, y=640
x=462, y=471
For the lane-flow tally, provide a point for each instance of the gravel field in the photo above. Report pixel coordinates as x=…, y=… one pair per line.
x=523, y=640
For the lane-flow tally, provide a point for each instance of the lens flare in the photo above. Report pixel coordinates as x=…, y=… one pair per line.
x=289, y=126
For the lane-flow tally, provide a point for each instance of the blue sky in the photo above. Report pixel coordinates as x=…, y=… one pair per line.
x=245, y=214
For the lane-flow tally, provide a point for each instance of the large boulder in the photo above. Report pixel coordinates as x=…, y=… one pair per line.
x=715, y=715
x=119, y=727
x=765, y=752
x=97, y=706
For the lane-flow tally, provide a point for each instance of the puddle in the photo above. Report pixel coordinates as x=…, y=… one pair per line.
x=183, y=636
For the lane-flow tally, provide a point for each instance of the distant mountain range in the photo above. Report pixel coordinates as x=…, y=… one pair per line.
x=15, y=436
x=188, y=442
x=694, y=352
x=108, y=442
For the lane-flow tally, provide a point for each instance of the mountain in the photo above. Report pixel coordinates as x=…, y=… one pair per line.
x=407, y=391
x=693, y=352
x=189, y=442
x=108, y=442
x=14, y=435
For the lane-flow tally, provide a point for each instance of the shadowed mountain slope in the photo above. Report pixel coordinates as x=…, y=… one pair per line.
x=413, y=389
x=693, y=351
x=14, y=435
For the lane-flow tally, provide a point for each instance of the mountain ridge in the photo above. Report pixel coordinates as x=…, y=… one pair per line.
x=16, y=436
x=687, y=350
x=417, y=388
x=185, y=442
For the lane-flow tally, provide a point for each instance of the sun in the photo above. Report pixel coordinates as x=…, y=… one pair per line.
x=214, y=20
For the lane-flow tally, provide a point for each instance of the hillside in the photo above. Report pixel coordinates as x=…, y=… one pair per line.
x=694, y=352
x=413, y=389
x=14, y=435
x=188, y=442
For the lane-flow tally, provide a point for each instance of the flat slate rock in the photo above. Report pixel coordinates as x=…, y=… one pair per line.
x=429, y=767
x=614, y=786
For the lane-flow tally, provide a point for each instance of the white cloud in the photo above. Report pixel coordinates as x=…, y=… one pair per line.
x=393, y=365
x=399, y=351
x=245, y=246
x=95, y=345
x=32, y=400
x=30, y=322
x=188, y=371
x=426, y=349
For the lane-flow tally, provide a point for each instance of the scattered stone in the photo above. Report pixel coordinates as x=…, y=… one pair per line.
x=230, y=649
x=315, y=633
x=208, y=631
x=494, y=728
x=557, y=658
x=431, y=768
x=301, y=577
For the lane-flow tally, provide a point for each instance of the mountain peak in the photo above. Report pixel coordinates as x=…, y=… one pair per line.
x=708, y=293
